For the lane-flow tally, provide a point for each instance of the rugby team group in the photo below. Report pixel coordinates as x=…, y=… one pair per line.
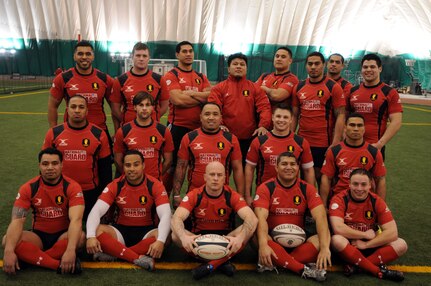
x=315, y=149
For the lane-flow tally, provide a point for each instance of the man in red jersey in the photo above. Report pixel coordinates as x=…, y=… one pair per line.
x=84, y=80
x=335, y=66
x=351, y=154
x=377, y=102
x=134, y=236
x=278, y=85
x=245, y=108
x=265, y=149
x=85, y=149
x=285, y=199
x=149, y=137
x=317, y=103
x=355, y=215
x=188, y=91
x=140, y=78
x=212, y=208
x=205, y=145
x=58, y=205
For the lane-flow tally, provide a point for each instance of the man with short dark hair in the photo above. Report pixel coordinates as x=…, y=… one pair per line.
x=319, y=110
x=278, y=85
x=92, y=84
x=335, y=66
x=205, y=145
x=85, y=149
x=377, y=102
x=134, y=236
x=245, y=107
x=285, y=199
x=365, y=233
x=353, y=153
x=140, y=78
x=58, y=205
x=212, y=209
x=149, y=137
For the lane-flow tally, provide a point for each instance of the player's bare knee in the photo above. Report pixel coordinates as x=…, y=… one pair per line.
x=400, y=246
x=102, y=228
x=339, y=242
x=3, y=241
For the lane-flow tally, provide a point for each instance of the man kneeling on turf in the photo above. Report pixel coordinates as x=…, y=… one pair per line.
x=355, y=216
x=58, y=206
x=285, y=200
x=212, y=209
x=134, y=237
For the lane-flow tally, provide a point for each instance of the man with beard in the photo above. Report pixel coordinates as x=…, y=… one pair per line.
x=317, y=103
x=203, y=146
x=85, y=149
x=149, y=137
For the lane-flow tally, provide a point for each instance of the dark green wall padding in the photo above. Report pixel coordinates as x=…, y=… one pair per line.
x=41, y=58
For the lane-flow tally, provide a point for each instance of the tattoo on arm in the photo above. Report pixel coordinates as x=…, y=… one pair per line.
x=180, y=174
x=18, y=212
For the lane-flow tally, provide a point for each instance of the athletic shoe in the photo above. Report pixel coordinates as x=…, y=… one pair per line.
x=311, y=271
x=349, y=269
x=392, y=275
x=202, y=270
x=262, y=268
x=227, y=269
x=78, y=269
x=145, y=262
x=103, y=257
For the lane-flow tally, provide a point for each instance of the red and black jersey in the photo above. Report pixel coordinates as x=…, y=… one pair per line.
x=286, y=204
x=81, y=149
x=95, y=87
x=316, y=102
x=345, y=85
x=201, y=148
x=360, y=215
x=136, y=204
x=127, y=85
x=264, y=150
x=50, y=203
x=342, y=159
x=375, y=103
x=185, y=80
x=245, y=107
x=152, y=141
x=210, y=213
x=273, y=80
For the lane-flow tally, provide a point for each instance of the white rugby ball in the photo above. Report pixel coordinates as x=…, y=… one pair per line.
x=288, y=235
x=211, y=246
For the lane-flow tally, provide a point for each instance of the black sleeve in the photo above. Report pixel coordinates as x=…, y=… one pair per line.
x=105, y=171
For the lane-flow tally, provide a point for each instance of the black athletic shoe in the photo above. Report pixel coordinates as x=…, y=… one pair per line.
x=202, y=270
x=349, y=270
x=227, y=269
x=78, y=269
x=392, y=275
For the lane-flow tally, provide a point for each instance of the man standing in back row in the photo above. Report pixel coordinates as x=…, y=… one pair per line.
x=335, y=67
x=377, y=102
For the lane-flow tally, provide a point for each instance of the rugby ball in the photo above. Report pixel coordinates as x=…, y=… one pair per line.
x=288, y=235
x=211, y=246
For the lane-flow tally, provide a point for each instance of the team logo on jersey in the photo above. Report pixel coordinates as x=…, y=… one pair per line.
x=369, y=214
x=129, y=88
x=302, y=95
x=132, y=141
x=268, y=149
x=150, y=88
x=142, y=200
x=198, y=146
x=290, y=149
x=85, y=142
x=373, y=97
x=221, y=212
x=297, y=200
x=320, y=93
x=246, y=92
x=59, y=200
x=354, y=97
x=364, y=160
x=202, y=212
x=95, y=85
x=62, y=142
x=220, y=145
x=37, y=201
x=74, y=87
x=197, y=80
x=275, y=83
x=275, y=201
x=342, y=162
x=121, y=200
x=153, y=139
x=181, y=80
